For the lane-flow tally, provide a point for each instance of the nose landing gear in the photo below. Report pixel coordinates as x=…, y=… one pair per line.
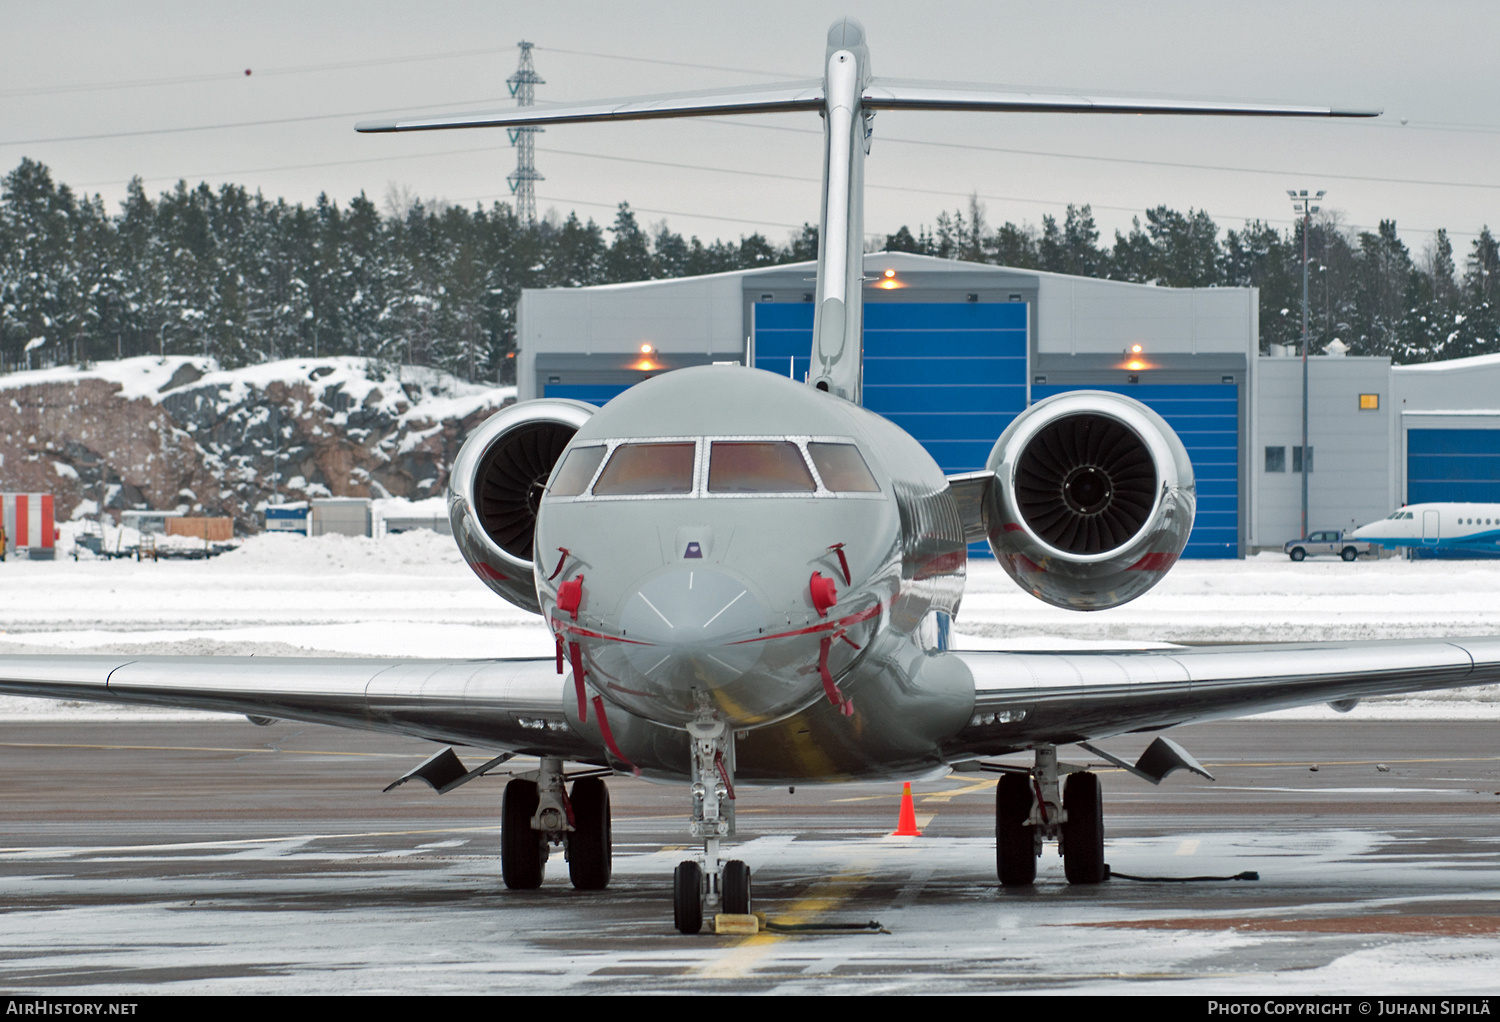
x=1029, y=812
x=536, y=814
x=714, y=885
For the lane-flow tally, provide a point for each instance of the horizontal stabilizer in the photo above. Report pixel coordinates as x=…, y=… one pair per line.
x=445, y=771
x=755, y=99
x=904, y=94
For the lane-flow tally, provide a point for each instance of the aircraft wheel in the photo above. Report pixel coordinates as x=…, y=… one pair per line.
x=590, y=857
x=522, y=861
x=736, y=888
x=687, y=897
x=1015, y=849
x=1298, y=553
x=1349, y=553
x=1083, y=833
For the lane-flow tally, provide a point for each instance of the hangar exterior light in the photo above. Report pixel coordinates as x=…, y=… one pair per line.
x=888, y=281
x=645, y=363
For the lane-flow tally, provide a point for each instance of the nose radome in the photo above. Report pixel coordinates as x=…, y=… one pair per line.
x=693, y=607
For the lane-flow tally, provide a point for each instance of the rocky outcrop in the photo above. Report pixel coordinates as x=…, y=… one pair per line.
x=226, y=443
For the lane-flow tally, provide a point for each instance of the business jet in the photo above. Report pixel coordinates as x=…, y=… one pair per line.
x=749, y=578
x=1461, y=528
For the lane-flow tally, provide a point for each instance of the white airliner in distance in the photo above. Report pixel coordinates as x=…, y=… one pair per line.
x=749, y=579
x=1461, y=528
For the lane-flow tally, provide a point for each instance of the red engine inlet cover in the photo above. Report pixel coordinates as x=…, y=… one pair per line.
x=824, y=595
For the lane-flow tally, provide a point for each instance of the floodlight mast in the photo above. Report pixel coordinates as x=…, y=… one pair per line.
x=1303, y=203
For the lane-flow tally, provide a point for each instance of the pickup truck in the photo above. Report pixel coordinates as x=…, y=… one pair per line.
x=1330, y=544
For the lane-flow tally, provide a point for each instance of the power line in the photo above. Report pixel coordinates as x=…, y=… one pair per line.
x=138, y=83
x=1126, y=160
x=240, y=124
x=700, y=168
x=674, y=63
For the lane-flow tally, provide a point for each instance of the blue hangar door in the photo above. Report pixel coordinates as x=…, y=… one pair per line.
x=1461, y=465
x=954, y=376
x=951, y=375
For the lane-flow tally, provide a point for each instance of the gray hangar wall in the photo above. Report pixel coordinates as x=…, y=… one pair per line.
x=1381, y=436
x=953, y=352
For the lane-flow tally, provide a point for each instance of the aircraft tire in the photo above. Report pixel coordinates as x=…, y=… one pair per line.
x=590, y=853
x=736, y=888
x=1349, y=553
x=1083, y=833
x=1015, y=849
x=522, y=861
x=1298, y=553
x=687, y=897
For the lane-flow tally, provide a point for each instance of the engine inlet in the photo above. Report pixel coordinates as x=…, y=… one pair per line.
x=1086, y=484
x=511, y=479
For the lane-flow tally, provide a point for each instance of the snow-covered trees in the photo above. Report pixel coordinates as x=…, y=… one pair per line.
x=242, y=278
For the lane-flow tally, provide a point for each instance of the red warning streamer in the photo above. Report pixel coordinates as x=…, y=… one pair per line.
x=609, y=737
x=837, y=698
x=575, y=656
x=838, y=548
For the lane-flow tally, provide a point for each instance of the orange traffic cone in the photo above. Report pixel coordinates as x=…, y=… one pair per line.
x=906, y=825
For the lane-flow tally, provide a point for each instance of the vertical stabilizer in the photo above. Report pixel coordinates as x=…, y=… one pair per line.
x=838, y=327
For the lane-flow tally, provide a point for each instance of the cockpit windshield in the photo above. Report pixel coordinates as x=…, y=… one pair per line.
x=576, y=471
x=642, y=469
x=842, y=467
x=758, y=467
x=711, y=467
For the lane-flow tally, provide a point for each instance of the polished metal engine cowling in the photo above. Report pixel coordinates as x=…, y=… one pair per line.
x=496, y=485
x=1092, y=501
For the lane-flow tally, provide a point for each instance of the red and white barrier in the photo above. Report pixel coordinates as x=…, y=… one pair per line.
x=29, y=523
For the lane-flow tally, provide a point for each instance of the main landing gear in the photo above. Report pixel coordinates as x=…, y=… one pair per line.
x=537, y=814
x=713, y=885
x=1029, y=811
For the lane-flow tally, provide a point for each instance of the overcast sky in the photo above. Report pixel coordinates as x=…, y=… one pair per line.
x=103, y=91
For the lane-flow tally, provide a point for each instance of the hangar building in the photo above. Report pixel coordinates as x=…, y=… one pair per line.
x=954, y=351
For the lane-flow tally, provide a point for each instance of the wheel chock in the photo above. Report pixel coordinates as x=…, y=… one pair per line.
x=737, y=925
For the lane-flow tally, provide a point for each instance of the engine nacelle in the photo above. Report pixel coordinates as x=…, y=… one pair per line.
x=496, y=485
x=1092, y=500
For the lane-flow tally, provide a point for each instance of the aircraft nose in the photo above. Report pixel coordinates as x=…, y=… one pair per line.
x=693, y=608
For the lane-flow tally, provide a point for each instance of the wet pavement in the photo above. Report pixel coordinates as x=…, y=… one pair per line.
x=227, y=858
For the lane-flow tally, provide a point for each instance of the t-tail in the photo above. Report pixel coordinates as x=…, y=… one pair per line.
x=847, y=96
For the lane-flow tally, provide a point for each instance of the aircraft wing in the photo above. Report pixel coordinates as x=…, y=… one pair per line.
x=1073, y=696
x=516, y=705
x=755, y=99
x=906, y=94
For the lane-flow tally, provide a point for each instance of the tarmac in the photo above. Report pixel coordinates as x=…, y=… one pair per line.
x=225, y=858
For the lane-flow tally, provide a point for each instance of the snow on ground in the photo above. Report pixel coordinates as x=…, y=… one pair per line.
x=149, y=377
x=412, y=595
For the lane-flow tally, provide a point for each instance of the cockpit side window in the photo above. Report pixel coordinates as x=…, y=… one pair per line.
x=758, y=467
x=576, y=470
x=843, y=468
x=640, y=469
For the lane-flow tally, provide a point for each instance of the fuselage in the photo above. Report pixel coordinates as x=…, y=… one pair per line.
x=1437, y=525
x=722, y=539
